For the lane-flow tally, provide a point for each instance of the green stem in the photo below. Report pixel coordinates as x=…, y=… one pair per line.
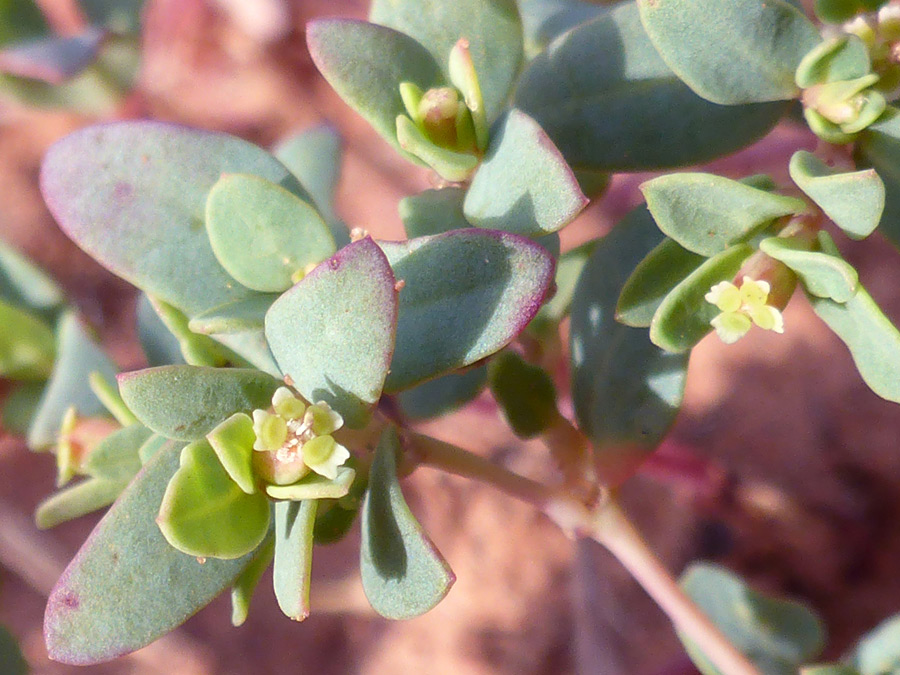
x=603, y=522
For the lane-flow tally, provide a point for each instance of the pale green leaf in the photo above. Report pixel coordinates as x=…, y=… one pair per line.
x=822, y=274
x=293, y=556
x=76, y=500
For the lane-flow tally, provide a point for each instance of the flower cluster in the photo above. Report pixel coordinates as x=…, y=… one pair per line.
x=741, y=308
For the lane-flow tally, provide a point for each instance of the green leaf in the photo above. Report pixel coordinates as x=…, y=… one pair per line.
x=879, y=650
x=187, y=402
x=873, y=340
x=153, y=445
x=156, y=587
x=366, y=63
x=314, y=486
x=626, y=390
x=251, y=346
x=544, y=20
x=24, y=284
x=20, y=406
x=836, y=11
x=854, y=201
x=11, y=660
x=160, y=346
x=233, y=442
x=403, y=574
x=204, y=513
x=492, y=28
x=119, y=16
x=433, y=212
x=777, y=635
x=879, y=147
x=524, y=392
x=293, y=556
x=632, y=113
x=20, y=20
x=653, y=279
x=133, y=195
x=466, y=295
x=449, y=164
x=335, y=517
x=683, y=317
x=77, y=500
x=77, y=356
x=236, y=317
x=822, y=274
x=333, y=333
x=263, y=234
x=731, y=51
x=246, y=583
x=442, y=394
x=523, y=185
x=568, y=270
x=26, y=345
x=706, y=213
x=116, y=457
x=52, y=59
x=837, y=59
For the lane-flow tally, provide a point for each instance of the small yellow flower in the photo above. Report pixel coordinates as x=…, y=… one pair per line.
x=741, y=308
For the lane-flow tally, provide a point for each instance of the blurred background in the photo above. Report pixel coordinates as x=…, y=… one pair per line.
x=782, y=465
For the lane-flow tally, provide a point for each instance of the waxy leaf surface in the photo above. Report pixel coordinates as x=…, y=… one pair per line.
x=822, y=274
x=314, y=157
x=293, y=556
x=433, y=212
x=74, y=501
x=116, y=457
x=442, y=394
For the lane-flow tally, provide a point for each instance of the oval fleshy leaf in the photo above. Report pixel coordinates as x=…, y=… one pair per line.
x=77, y=500
x=683, y=318
x=187, y=402
x=204, y=513
x=466, y=294
x=776, y=635
x=731, y=51
x=237, y=317
x=442, y=394
x=492, y=28
x=568, y=270
x=314, y=157
x=233, y=442
x=333, y=333
x=27, y=345
x=822, y=274
x=625, y=389
x=52, y=59
x=403, y=574
x=633, y=114
x=706, y=213
x=116, y=456
x=524, y=392
x=366, y=63
x=873, y=341
x=293, y=556
x=879, y=147
x=263, y=234
x=433, y=212
x=156, y=587
x=314, y=486
x=523, y=185
x=653, y=279
x=77, y=356
x=844, y=57
x=854, y=201
x=246, y=583
x=133, y=195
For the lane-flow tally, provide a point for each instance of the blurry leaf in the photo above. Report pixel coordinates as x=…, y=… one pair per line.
x=77, y=356
x=153, y=445
x=776, y=635
x=187, y=402
x=20, y=406
x=568, y=270
x=442, y=394
x=160, y=346
x=314, y=486
x=133, y=195
x=833, y=669
x=52, y=59
x=653, y=279
x=844, y=57
x=26, y=345
x=632, y=113
x=878, y=653
x=333, y=333
x=879, y=147
x=854, y=201
x=872, y=339
x=204, y=513
x=252, y=346
x=24, y=284
x=822, y=274
x=262, y=234
x=20, y=20
x=706, y=213
x=116, y=457
x=731, y=51
x=544, y=20
x=524, y=392
x=523, y=185
x=433, y=212
x=246, y=583
x=293, y=556
x=157, y=588
x=119, y=16
x=626, y=390
x=466, y=295
x=683, y=317
x=492, y=28
x=11, y=660
x=77, y=500
x=403, y=574
x=366, y=63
